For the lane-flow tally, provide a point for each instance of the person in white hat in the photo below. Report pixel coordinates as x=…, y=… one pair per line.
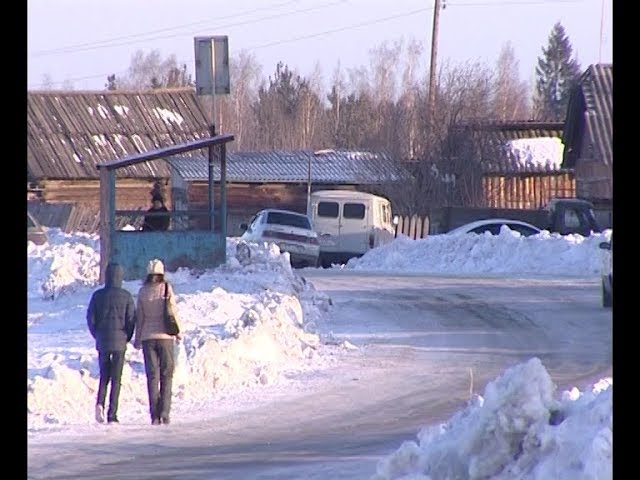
x=157, y=345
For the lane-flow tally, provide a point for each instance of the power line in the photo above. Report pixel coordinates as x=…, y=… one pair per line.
x=100, y=45
x=106, y=42
x=326, y=32
x=532, y=2
x=279, y=42
x=342, y=29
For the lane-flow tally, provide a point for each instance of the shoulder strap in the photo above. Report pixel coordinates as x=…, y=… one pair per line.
x=166, y=288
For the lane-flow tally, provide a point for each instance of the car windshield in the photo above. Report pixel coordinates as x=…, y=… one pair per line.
x=288, y=219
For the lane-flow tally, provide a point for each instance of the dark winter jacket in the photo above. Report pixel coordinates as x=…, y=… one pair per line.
x=111, y=316
x=154, y=223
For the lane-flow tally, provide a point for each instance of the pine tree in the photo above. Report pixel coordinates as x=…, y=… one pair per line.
x=556, y=74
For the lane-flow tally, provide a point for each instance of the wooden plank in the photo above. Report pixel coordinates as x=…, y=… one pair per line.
x=425, y=227
x=400, y=226
x=412, y=228
x=418, y=228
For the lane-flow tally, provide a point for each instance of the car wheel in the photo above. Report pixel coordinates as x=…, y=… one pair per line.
x=243, y=253
x=607, y=296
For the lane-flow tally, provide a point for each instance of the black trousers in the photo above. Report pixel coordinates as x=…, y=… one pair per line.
x=111, y=364
x=158, y=365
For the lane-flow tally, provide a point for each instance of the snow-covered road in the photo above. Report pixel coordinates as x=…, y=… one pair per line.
x=425, y=344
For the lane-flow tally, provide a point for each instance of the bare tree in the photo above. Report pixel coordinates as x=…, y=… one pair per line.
x=408, y=119
x=151, y=70
x=336, y=99
x=235, y=110
x=67, y=85
x=444, y=172
x=47, y=82
x=384, y=67
x=311, y=111
x=511, y=94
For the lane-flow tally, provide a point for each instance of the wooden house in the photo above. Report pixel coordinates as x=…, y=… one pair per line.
x=588, y=138
x=69, y=133
x=519, y=163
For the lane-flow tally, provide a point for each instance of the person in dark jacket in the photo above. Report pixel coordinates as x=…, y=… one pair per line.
x=155, y=222
x=111, y=318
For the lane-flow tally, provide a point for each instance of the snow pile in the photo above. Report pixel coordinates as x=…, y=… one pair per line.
x=244, y=326
x=62, y=265
x=517, y=430
x=506, y=253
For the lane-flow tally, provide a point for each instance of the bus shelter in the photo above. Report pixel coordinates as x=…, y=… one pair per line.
x=203, y=246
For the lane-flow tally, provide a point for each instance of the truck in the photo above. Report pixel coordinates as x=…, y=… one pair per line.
x=560, y=215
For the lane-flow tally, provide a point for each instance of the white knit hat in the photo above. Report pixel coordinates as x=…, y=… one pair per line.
x=156, y=267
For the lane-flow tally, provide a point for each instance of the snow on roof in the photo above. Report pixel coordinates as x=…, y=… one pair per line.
x=533, y=153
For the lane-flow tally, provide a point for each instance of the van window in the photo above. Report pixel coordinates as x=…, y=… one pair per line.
x=328, y=209
x=386, y=213
x=353, y=210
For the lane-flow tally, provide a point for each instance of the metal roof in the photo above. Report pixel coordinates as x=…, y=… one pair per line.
x=330, y=167
x=590, y=113
x=497, y=136
x=70, y=133
x=166, y=152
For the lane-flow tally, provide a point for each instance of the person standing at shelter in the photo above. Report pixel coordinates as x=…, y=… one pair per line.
x=111, y=318
x=158, y=215
x=157, y=345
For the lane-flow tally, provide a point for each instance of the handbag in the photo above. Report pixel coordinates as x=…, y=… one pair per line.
x=170, y=321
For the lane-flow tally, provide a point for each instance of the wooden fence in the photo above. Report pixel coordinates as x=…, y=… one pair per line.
x=74, y=218
x=413, y=226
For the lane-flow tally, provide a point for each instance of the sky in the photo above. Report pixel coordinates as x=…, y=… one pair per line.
x=248, y=325
x=83, y=42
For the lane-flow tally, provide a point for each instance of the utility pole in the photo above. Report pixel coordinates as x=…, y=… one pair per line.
x=434, y=54
x=601, y=30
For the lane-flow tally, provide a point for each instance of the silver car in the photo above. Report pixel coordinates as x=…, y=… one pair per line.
x=291, y=231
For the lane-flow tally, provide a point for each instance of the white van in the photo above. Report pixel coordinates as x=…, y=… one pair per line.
x=349, y=223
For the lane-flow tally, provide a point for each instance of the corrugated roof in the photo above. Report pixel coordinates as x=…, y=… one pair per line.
x=590, y=113
x=69, y=133
x=498, y=136
x=277, y=166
